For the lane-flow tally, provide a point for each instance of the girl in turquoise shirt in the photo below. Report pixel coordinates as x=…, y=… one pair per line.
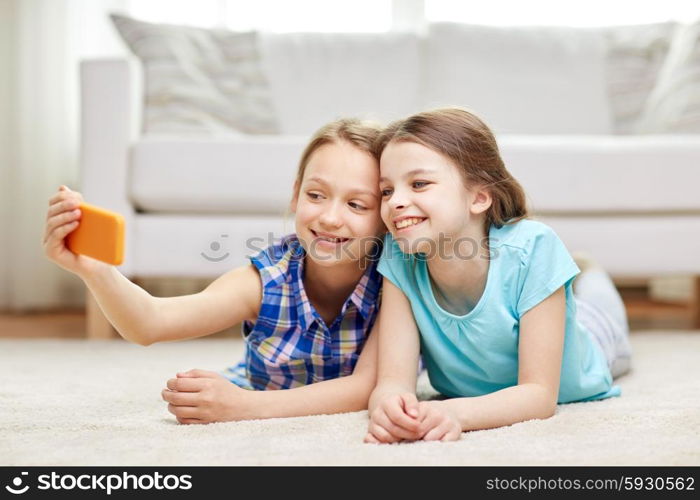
x=484, y=294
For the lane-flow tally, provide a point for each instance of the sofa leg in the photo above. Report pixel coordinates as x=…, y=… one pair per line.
x=98, y=326
x=695, y=304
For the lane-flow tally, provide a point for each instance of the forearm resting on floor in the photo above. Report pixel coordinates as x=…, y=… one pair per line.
x=505, y=407
x=341, y=395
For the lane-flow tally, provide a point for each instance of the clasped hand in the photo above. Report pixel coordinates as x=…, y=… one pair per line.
x=401, y=417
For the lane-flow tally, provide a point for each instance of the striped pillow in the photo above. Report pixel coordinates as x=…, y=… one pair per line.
x=199, y=80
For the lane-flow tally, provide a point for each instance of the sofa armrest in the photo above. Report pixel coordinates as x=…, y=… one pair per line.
x=110, y=117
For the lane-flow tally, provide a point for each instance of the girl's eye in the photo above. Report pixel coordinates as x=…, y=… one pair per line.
x=357, y=206
x=386, y=192
x=314, y=196
x=419, y=184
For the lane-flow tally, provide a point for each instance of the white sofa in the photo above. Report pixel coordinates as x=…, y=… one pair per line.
x=192, y=203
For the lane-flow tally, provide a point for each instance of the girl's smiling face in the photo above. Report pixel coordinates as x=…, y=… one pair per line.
x=424, y=197
x=337, y=206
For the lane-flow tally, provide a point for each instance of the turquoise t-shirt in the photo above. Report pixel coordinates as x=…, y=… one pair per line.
x=477, y=353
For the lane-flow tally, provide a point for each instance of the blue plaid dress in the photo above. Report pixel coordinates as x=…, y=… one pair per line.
x=289, y=345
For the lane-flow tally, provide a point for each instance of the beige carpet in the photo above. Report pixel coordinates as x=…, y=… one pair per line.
x=73, y=402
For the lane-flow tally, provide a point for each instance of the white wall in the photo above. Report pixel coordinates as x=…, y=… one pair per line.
x=6, y=65
x=41, y=42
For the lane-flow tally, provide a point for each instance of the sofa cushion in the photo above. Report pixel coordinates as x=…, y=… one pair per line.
x=318, y=77
x=525, y=80
x=198, y=80
x=200, y=245
x=561, y=174
x=251, y=175
x=605, y=174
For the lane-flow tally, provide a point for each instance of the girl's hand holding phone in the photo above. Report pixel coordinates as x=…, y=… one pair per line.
x=62, y=218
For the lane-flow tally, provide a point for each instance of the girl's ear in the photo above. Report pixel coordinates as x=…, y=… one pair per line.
x=295, y=198
x=482, y=200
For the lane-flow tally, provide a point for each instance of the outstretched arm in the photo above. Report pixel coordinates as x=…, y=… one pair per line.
x=137, y=315
x=535, y=396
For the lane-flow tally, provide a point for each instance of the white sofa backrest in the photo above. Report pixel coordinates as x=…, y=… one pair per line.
x=525, y=80
x=318, y=77
x=531, y=80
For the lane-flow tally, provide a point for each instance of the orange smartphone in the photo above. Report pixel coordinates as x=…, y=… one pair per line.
x=100, y=235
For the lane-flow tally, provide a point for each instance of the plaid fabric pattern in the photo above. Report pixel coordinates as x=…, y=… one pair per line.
x=289, y=345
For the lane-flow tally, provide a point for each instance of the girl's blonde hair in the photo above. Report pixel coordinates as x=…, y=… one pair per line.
x=362, y=134
x=466, y=140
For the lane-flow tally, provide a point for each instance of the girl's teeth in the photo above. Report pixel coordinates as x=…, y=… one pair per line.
x=333, y=240
x=407, y=222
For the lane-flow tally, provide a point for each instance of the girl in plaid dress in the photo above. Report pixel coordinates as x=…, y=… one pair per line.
x=307, y=304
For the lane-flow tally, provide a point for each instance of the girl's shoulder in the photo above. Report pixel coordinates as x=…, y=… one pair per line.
x=278, y=263
x=522, y=235
x=528, y=243
x=532, y=254
x=533, y=250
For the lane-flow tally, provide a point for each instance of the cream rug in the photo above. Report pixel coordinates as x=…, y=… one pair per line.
x=74, y=402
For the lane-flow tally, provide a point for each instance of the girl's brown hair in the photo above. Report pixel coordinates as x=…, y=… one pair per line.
x=466, y=140
x=362, y=134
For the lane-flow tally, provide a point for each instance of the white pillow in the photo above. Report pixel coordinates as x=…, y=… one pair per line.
x=674, y=103
x=635, y=55
x=199, y=80
x=530, y=80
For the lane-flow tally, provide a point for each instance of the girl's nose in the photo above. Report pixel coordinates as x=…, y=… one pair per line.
x=330, y=217
x=397, y=201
